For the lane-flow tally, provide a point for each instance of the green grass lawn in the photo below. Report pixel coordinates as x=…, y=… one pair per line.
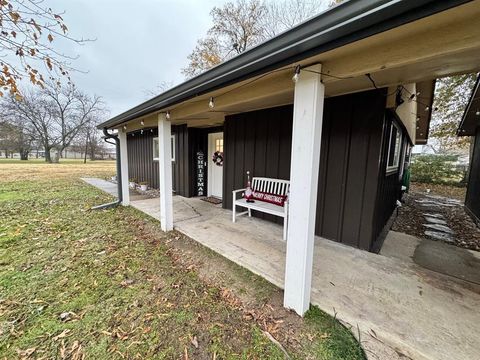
x=78, y=283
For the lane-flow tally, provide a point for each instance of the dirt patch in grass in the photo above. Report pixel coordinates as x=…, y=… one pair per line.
x=78, y=283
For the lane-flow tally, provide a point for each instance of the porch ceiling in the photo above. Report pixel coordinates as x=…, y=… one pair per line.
x=444, y=44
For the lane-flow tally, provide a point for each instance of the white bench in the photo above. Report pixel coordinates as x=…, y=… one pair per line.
x=272, y=186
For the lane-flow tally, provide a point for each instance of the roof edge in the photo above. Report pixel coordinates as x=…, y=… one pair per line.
x=346, y=23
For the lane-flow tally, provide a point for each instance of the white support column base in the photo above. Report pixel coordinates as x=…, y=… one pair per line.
x=122, y=136
x=165, y=167
x=306, y=139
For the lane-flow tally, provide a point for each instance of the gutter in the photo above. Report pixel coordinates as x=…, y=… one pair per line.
x=119, y=172
x=343, y=24
x=461, y=131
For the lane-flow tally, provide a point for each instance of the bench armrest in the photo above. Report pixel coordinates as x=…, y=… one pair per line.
x=235, y=192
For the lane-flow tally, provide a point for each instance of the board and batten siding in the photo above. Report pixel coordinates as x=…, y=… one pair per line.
x=349, y=168
x=472, y=199
x=260, y=141
x=142, y=167
x=389, y=183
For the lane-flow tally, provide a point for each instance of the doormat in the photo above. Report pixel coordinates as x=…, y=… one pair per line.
x=212, y=200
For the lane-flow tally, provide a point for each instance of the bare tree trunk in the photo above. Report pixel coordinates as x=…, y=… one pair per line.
x=86, y=150
x=24, y=154
x=48, y=157
x=92, y=152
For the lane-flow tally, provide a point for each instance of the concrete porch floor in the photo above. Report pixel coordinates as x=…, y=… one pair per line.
x=401, y=309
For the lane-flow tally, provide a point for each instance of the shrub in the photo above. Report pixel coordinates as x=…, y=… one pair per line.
x=437, y=169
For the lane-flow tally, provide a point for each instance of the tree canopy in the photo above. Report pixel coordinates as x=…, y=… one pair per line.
x=241, y=24
x=451, y=97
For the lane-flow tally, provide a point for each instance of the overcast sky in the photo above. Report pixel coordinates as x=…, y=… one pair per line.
x=140, y=44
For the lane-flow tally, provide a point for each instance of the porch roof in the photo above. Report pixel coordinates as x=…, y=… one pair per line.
x=471, y=118
x=344, y=24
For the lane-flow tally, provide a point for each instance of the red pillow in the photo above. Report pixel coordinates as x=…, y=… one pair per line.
x=270, y=198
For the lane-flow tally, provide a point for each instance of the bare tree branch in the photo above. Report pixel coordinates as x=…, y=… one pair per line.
x=28, y=30
x=241, y=24
x=56, y=114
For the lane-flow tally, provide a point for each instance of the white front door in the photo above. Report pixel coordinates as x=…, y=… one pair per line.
x=215, y=172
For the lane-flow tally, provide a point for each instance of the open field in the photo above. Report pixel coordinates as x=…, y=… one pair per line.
x=76, y=283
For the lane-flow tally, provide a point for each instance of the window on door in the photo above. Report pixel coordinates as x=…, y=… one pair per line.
x=219, y=145
x=156, y=150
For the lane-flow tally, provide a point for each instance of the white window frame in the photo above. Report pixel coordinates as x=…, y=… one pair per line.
x=398, y=148
x=172, y=142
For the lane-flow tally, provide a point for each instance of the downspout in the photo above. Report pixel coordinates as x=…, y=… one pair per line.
x=119, y=172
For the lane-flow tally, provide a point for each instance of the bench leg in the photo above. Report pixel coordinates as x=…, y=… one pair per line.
x=249, y=213
x=285, y=228
x=234, y=208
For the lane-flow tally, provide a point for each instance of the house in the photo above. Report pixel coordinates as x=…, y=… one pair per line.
x=333, y=105
x=470, y=126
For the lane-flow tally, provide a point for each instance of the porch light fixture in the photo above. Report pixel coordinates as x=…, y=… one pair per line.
x=142, y=122
x=141, y=132
x=211, y=104
x=124, y=127
x=297, y=74
x=477, y=113
x=167, y=115
x=427, y=108
x=398, y=97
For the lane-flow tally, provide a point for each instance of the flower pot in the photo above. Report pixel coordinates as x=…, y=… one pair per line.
x=143, y=187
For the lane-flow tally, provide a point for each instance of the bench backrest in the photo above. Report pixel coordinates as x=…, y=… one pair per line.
x=272, y=186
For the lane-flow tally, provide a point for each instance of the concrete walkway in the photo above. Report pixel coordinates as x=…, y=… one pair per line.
x=401, y=309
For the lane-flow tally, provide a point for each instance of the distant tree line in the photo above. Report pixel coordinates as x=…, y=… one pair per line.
x=52, y=118
x=40, y=108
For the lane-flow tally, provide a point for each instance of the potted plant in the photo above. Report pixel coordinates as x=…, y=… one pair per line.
x=143, y=186
x=133, y=183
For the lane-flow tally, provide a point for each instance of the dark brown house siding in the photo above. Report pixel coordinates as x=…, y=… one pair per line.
x=349, y=166
x=472, y=200
x=142, y=167
x=260, y=141
x=389, y=184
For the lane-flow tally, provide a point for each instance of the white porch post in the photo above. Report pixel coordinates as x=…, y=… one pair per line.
x=306, y=139
x=165, y=166
x=122, y=136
